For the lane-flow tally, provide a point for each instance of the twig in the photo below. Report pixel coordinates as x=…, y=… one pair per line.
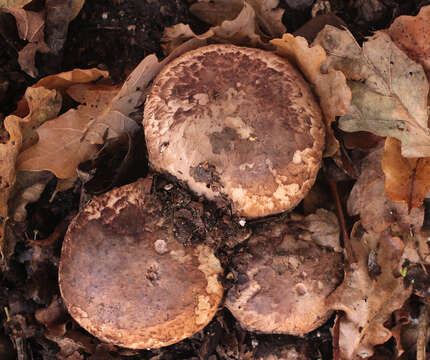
x=346, y=242
x=423, y=322
x=336, y=334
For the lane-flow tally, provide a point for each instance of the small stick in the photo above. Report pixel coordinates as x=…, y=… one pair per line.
x=336, y=334
x=423, y=322
x=346, y=242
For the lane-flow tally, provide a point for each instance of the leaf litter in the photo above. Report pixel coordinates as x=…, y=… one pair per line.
x=375, y=88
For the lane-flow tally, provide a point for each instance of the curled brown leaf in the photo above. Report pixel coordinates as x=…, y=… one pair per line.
x=333, y=93
x=389, y=90
x=406, y=179
x=369, y=200
x=368, y=301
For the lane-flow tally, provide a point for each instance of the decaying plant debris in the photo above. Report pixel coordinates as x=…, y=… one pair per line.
x=76, y=133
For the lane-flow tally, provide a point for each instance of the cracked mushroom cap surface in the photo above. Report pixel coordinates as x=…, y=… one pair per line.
x=283, y=282
x=125, y=279
x=236, y=123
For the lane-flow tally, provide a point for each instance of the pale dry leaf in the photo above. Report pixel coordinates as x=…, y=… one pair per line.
x=368, y=299
x=417, y=249
x=412, y=35
x=242, y=30
x=42, y=105
x=406, y=179
x=62, y=81
x=369, y=200
x=324, y=227
x=74, y=136
x=28, y=187
x=30, y=24
x=215, y=12
x=60, y=148
x=92, y=95
x=115, y=118
x=389, y=90
x=331, y=87
x=8, y=154
x=27, y=57
x=13, y=3
x=269, y=16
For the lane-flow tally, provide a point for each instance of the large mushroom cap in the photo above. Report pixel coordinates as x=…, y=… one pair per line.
x=283, y=282
x=236, y=122
x=125, y=279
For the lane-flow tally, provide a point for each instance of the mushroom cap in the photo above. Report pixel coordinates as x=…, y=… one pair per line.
x=125, y=279
x=236, y=122
x=283, y=282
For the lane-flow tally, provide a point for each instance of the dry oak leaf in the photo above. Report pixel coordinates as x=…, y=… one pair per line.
x=14, y=3
x=30, y=26
x=369, y=200
x=74, y=136
x=62, y=81
x=43, y=104
x=389, y=90
x=412, y=35
x=241, y=30
x=368, y=298
x=268, y=15
x=61, y=148
x=406, y=179
x=331, y=87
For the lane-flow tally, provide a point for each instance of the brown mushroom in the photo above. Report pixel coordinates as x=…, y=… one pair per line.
x=283, y=281
x=236, y=122
x=125, y=279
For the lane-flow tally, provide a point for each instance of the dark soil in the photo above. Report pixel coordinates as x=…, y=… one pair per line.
x=115, y=35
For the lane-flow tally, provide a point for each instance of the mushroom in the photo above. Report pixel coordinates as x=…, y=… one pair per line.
x=236, y=123
x=124, y=277
x=283, y=281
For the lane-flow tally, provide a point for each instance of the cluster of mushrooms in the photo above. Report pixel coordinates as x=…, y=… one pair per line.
x=230, y=123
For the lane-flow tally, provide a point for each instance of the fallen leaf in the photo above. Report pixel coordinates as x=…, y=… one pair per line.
x=62, y=81
x=368, y=301
x=59, y=13
x=28, y=187
x=242, y=30
x=369, y=200
x=216, y=12
x=42, y=105
x=8, y=154
x=333, y=93
x=412, y=35
x=406, y=179
x=389, y=90
x=54, y=317
x=60, y=148
x=30, y=26
x=324, y=227
x=269, y=16
x=13, y=3
x=76, y=135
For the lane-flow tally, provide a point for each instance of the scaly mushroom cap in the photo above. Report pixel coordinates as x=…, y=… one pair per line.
x=283, y=282
x=125, y=279
x=236, y=122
